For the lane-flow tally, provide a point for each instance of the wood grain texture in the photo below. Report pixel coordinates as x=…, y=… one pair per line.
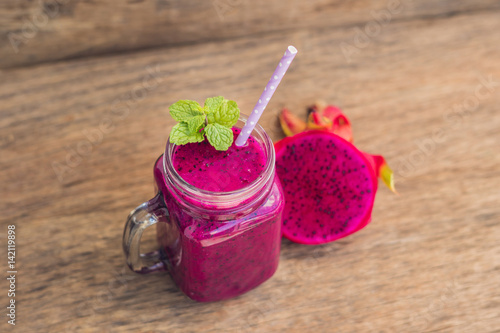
x=429, y=261
x=46, y=30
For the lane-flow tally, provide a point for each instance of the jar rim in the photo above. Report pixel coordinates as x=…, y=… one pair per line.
x=235, y=196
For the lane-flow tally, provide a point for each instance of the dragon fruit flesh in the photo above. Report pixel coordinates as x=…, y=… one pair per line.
x=329, y=184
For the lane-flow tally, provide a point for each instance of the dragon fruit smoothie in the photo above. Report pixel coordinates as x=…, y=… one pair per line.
x=226, y=242
x=219, y=204
x=206, y=168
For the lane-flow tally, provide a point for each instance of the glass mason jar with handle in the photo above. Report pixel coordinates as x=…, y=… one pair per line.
x=216, y=245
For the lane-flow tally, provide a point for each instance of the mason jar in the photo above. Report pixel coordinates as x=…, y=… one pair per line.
x=215, y=245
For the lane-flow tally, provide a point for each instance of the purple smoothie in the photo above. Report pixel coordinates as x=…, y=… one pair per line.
x=209, y=169
x=214, y=257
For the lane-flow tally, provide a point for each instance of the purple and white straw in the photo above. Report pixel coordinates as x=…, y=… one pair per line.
x=268, y=92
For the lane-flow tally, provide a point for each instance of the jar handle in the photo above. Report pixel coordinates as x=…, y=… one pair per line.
x=147, y=214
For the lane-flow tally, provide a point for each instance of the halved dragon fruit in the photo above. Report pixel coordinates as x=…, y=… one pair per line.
x=329, y=184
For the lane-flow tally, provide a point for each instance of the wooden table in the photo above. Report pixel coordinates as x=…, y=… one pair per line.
x=423, y=89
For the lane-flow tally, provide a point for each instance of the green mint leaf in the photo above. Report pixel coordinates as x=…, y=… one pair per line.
x=212, y=104
x=181, y=135
x=220, y=114
x=195, y=123
x=183, y=110
x=226, y=114
x=219, y=136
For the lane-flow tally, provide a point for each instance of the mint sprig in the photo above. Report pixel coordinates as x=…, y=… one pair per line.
x=214, y=120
